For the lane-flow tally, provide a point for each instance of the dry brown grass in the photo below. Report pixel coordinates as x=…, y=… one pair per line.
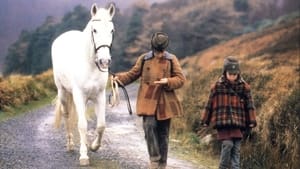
x=16, y=90
x=270, y=63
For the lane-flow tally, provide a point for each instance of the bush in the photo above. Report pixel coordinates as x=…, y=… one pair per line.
x=16, y=90
x=279, y=148
x=196, y=97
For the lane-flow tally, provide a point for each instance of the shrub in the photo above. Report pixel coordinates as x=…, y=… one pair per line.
x=16, y=90
x=279, y=148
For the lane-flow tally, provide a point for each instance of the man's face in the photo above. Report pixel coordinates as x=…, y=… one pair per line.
x=159, y=54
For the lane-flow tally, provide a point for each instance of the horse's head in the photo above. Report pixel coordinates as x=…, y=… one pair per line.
x=102, y=30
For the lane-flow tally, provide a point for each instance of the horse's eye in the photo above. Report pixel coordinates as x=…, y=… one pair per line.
x=112, y=31
x=95, y=31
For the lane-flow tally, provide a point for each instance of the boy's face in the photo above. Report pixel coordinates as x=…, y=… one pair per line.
x=231, y=76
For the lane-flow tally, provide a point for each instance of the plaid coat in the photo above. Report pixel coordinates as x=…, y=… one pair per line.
x=152, y=97
x=229, y=105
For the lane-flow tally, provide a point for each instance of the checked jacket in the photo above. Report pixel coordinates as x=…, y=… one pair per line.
x=230, y=105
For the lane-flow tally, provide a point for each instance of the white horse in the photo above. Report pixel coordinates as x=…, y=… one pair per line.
x=80, y=66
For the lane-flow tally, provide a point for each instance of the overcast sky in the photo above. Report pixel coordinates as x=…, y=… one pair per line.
x=17, y=15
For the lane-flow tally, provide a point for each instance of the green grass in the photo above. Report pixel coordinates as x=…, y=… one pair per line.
x=16, y=111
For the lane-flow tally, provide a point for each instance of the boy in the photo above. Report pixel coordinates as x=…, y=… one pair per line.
x=230, y=109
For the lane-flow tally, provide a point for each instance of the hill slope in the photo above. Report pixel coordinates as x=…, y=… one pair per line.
x=195, y=25
x=270, y=62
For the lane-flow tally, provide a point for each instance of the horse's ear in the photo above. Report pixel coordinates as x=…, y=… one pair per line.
x=112, y=9
x=94, y=9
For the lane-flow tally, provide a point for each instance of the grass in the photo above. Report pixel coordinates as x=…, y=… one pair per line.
x=183, y=148
x=19, y=110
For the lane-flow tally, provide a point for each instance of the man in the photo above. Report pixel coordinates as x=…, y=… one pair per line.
x=160, y=74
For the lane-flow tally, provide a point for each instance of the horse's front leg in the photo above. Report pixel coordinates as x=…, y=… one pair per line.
x=100, y=113
x=80, y=104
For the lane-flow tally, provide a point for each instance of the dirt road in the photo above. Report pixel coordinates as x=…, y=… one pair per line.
x=30, y=141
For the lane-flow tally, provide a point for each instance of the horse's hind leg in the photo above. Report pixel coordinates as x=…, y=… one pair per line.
x=100, y=113
x=70, y=121
x=69, y=115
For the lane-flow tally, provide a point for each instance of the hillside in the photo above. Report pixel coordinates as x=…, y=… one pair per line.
x=192, y=26
x=195, y=25
x=201, y=23
x=270, y=62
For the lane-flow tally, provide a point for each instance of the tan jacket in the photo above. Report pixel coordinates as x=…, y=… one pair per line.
x=152, y=97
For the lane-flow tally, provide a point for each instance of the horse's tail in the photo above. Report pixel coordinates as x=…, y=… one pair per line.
x=68, y=111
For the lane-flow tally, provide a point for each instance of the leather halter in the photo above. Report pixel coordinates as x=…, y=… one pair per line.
x=101, y=46
x=97, y=48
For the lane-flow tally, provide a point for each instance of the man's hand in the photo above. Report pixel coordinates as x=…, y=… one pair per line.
x=114, y=78
x=162, y=81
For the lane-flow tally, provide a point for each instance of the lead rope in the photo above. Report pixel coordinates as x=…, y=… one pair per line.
x=114, y=97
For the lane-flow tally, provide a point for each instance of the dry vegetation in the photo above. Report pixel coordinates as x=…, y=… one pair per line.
x=270, y=63
x=16, y=90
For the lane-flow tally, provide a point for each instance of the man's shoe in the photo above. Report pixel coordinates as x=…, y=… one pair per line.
x=162, y=166
x=154, y=165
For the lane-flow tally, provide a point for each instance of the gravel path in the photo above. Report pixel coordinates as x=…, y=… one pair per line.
x=30, y=141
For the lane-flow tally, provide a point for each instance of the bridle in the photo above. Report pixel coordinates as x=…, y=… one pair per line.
x=101, y=46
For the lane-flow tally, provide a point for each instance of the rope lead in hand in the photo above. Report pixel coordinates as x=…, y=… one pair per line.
x=114, y=97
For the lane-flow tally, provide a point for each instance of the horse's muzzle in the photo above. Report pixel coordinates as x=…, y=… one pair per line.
x=103, y=64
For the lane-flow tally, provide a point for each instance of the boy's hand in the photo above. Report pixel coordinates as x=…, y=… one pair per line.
x=162, y=81
x=251, y=125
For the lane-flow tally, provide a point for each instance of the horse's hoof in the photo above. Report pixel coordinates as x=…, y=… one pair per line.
x=70, y=147
x=84, y=162
x=94, y=148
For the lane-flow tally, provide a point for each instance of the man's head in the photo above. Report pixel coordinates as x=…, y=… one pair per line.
x=159, y=41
